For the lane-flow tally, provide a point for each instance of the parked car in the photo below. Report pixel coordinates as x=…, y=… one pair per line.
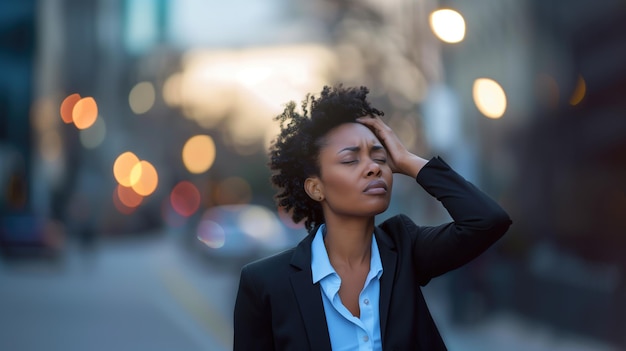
x=237, y=234
x=26, y=236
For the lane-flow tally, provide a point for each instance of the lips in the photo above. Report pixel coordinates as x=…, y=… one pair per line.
x=376, y=187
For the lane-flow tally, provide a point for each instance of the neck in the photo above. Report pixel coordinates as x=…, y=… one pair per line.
x=349, y=242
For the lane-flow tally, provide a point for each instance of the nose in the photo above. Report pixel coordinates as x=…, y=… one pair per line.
x=374, y=169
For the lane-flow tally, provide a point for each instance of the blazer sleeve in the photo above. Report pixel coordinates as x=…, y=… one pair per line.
x=252, y=320
x=478, y=222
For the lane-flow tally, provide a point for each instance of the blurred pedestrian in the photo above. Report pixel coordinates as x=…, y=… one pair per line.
x=351, y=283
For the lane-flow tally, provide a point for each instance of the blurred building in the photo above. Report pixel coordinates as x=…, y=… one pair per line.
x=556, y=158
x=17, y=49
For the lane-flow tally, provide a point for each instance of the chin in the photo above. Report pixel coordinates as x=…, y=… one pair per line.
x=380, y=206
x=380, y=210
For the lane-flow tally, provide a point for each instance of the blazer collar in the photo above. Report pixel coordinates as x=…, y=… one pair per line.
x=388, y=256
x=309, y=296
x=301, y=258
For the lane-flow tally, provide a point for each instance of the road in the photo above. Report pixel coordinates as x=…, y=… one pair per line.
x=138, y=294
x=152, y=293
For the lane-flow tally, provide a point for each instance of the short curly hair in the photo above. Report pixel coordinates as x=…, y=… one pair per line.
x=293, y=155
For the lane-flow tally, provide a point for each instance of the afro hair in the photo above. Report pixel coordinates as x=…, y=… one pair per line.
x=293, y=155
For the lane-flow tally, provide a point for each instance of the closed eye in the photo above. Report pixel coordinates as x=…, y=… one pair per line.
x=379, y=155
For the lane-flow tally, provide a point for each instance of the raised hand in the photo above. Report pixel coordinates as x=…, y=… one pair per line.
x=400, y=159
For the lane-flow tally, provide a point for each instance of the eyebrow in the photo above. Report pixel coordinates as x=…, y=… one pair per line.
x=357, y=148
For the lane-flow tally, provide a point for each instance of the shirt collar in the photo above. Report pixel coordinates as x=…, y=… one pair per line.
x=320, y=263
x=376, y=265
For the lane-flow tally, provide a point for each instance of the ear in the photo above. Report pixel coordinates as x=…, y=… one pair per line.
x=313, y=187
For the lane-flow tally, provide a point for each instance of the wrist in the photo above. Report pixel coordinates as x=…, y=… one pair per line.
x=412, y=165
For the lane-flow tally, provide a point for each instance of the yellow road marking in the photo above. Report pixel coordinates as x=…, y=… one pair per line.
x=197, y=306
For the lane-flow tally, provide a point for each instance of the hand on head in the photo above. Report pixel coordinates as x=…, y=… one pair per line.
x=401, y=160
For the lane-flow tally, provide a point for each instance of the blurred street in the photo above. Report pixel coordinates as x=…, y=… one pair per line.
x=151, y=293
x=143, y=295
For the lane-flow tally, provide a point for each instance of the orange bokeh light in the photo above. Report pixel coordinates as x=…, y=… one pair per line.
x=233, y=190
x=123, y=166
x=128, y=196
x=85, y=113
x=119, y=205
x=185, y=198
x=144, y=178
x=67, y=106
x=199, y=153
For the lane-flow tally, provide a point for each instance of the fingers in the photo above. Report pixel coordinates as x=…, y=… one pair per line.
x=370, y=120
x=380, y=128
x=386, y=136
x=375, y=124
x=401, y=160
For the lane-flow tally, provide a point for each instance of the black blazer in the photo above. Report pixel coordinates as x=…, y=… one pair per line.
x=279, y=308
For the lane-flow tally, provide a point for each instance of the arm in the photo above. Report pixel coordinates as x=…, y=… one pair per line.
x=252, y=322
x=478, y=222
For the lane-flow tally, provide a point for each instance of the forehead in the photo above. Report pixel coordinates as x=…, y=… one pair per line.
x=350, y=134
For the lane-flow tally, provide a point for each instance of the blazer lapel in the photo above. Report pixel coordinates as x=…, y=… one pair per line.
x=309, y=296
x=388, y=257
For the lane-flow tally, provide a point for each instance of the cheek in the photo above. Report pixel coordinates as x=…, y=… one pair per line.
x=338, y=184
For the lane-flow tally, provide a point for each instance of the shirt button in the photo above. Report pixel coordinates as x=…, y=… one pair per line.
x=366, y=301
x=366, y=338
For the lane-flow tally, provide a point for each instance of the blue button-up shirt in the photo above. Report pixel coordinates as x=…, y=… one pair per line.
x=346, y=331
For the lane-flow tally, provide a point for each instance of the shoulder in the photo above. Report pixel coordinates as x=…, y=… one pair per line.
x=398, y=230
x=398, y=224
x=268, y=275
x=271, y=263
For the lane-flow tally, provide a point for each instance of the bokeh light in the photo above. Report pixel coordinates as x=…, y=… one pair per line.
x=579, y=92
x=67, y=106
x=144, y=178
x=92, y=137
x=260, y=223
x=489, y=97
x=119, y=205
x=172, y=90
x=85, y=113
x=448, y=25
x=249, y=86
x=128, y=196
x=123, y=166
x=185, y=198
x=233, y=190
x=199, y=153
x=211, y=234
x=141, y=97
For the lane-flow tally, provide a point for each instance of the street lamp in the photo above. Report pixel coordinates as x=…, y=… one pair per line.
x=448, y=25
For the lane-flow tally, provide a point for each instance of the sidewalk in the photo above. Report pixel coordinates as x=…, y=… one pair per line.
x=503, y=331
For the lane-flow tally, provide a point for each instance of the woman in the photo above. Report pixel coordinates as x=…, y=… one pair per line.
x=351, y=284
